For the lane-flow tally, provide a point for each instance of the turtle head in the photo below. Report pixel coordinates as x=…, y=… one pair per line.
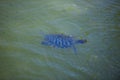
x=81, y=41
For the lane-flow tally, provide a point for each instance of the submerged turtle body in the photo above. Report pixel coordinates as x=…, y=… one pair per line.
x=61, y=41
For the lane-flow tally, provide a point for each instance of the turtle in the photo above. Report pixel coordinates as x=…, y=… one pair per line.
x=62, y=41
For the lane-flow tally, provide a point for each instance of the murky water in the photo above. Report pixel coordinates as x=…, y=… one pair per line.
x=22, y=57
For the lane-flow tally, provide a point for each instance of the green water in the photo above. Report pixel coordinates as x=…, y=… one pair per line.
x=22, y=57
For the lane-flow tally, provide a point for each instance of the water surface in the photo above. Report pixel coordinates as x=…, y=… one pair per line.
x=22, y=57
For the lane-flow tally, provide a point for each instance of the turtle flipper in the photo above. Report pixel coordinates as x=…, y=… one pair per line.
x=74, y=49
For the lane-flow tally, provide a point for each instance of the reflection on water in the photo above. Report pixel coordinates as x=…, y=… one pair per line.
x=23, y=57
